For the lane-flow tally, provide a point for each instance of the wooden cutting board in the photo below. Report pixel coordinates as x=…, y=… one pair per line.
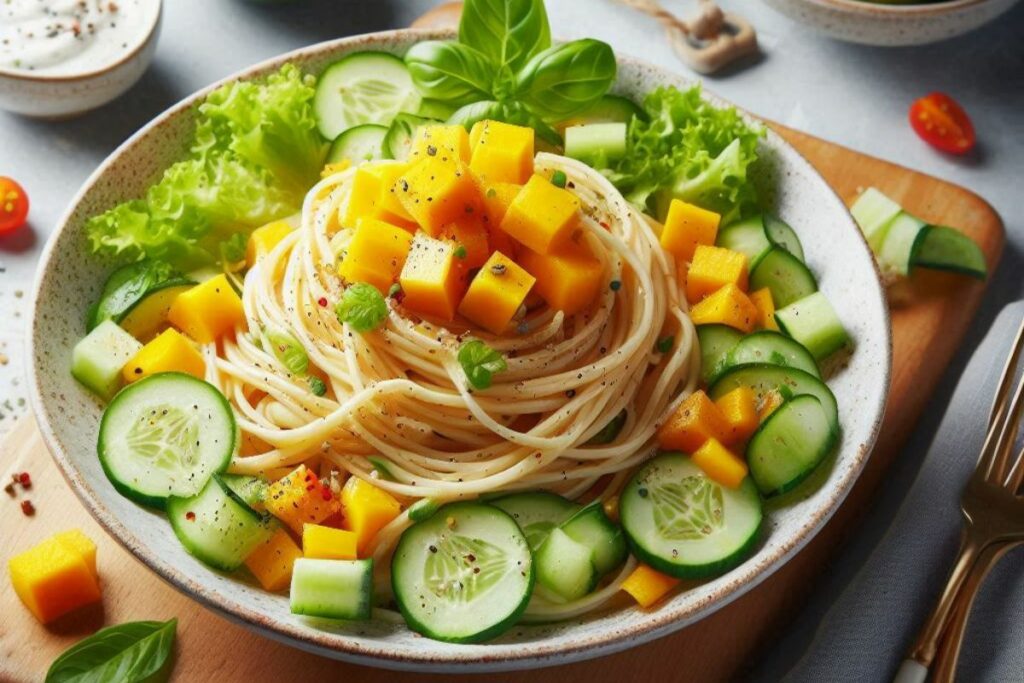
x=928, y=324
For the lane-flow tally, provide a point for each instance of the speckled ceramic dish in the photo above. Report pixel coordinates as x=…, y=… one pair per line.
x=68, y=415
x=870, y=23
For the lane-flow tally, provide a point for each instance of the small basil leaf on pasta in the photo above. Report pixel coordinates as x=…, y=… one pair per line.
x=479, y=361
x=317, y=386
x=289, y=351
x=362, y=307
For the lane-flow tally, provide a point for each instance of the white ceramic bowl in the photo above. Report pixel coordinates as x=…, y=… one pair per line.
x=71, y=279
x=62, y=97
x=870, y=23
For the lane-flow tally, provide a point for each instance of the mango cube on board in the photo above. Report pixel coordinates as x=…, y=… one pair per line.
x=56, y=576
x=366, y=510
x=728, y=306
x=542, y=216
x=440, y=140
x=569, y=279
x=299, y=498
x=376, y=254
x=432, y=282
x=647, y=585
x=686, y=227
x=720, y=464
x=436, y=192
x=170, y=351
x=271, y=562
x=696, y=420
x=263, y=240
x=328, y=543
x=98, y=359
x=208, y=311
x=502, y=152
x=496, y=293
x=713, y=268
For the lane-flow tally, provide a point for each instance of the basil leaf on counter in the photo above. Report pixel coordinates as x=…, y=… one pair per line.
x=450, y=71
x=508, y=32
x=566, y=79
x=135, y=652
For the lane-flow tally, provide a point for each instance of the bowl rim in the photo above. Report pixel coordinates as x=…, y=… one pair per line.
x=78, y=76
x=910, y=9
x=455, y=658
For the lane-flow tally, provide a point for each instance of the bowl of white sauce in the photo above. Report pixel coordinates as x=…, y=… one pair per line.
x=61, y=58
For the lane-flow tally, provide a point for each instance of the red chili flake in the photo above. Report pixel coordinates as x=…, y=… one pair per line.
x=27, y=508
x=25, y=480
x=605, y=225
x=190, y=516
x=322, y=301
x=326, y=493
x=311, y=487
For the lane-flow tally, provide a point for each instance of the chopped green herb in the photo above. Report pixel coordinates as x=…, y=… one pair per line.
x=460, y=252
x=362, y=307
x=479, y=361
x=665, y=344
x=288, y=350
x=317, y=386
x=558, y=179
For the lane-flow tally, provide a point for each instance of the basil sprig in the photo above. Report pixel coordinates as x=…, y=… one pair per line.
x=504, y=67
x=480, y=362
x=128, y=653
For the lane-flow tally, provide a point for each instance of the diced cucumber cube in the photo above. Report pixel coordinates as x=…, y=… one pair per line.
x=813, y=322
x=596, y=142
x=332, y=589
x=98, y=358
x=566, y=567
x=874, y=212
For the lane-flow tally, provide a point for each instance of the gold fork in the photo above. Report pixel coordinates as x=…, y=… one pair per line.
x=993, y=521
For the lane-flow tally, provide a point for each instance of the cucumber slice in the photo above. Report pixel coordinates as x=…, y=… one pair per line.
x=365, y=87
x=332, y=589
x=715, y=342
x=398, y=140
x=596, y=143
x=166, y=435
x=748, y=237
x=591, y=527
x=685, y=524
x=464, y=575
x=566, y=567
x=148, y=317
x=781, y=235
x=771, y=348
x=608, y=109
x=250, y=492
x=98, y=358
x=216, y=528
x=358, y=144
x=435, y=109
x=898, y=248
x=790, y=444
x=942, y=248
x=126, y=287
x=766, y=378
x=814, y=324
x=536, y=513
x=785, y=275
x=874, y=212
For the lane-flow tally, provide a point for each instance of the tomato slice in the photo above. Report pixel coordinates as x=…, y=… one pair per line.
x=13, y=205
x=942, y=123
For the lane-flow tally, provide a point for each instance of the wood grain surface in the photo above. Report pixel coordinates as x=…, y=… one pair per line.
x=929, y=319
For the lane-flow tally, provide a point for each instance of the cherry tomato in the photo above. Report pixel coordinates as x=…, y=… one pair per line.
x=13, y=205
x=942, y=123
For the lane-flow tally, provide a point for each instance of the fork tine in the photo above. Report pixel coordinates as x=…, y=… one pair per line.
x=996, y=452
x=1006, y=381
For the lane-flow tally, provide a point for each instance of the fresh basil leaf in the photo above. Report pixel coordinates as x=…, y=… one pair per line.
x=135, y=652
x=450, y=71
x=479, y=361
x=232, y=250
x=288, y=350
x=507, y=112
x=477, y=111
x=362, y=307
x=566, y=79
x=126, y=286
x=509, y=32
x=609, y=432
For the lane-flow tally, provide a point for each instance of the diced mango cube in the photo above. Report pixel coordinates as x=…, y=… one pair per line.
x=440, y=140
x=713, y=268
x=299, y=498
x=436, y=192
x=472, y=237
x=388, y=207
x=327, y=543
x=170, y=351
x=762, y=300
x=54, y=578
x=367, y=509
x=696, y=420
x=263, y=240
x=77, y=542
x=432, y=282
x=502, y=152
x=720, y=464
x=647, y=585
x=728, y=306
x=686, y=227
x=739, y=407
x=497, y=198
x=271, y=563
x=376, y=253
x=496, y=293
x=542, y=216
x=208, y=311
x=362, y=197
x=569, y=278
x=373, y=195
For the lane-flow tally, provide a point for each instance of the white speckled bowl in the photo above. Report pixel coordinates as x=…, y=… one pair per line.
x=68, y=415
x=872, y=23
x=64, y=97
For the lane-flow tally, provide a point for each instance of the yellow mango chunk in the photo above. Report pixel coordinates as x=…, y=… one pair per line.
x=720, y=464
x=53, y=578
x=686, y=227
x=373, y=195
x=170, y=351
x=739, y=407
x=496, y=293
x=362, y=197
x=208, y=311
x=77, y=542
x=713, y=268
x=497, y=198
x=432, y=282
x=542, y=216
x=440, y=140
x=762, y=300
x=648, y=586
x=375, y=254
x=263, y=240
x=328, y=543
x=387, y=206
x=728, y=306
x=436, y=192
x=300, y=498
x=474, y=240
x=271, y=563
x=696, y=420
x=569, y=279
x=502, y=152
x=366, y=509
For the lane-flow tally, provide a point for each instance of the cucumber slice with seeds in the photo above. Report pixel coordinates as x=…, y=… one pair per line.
x=365, y=87
x=362, y=143
x=790, y=444
x=536, y=513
